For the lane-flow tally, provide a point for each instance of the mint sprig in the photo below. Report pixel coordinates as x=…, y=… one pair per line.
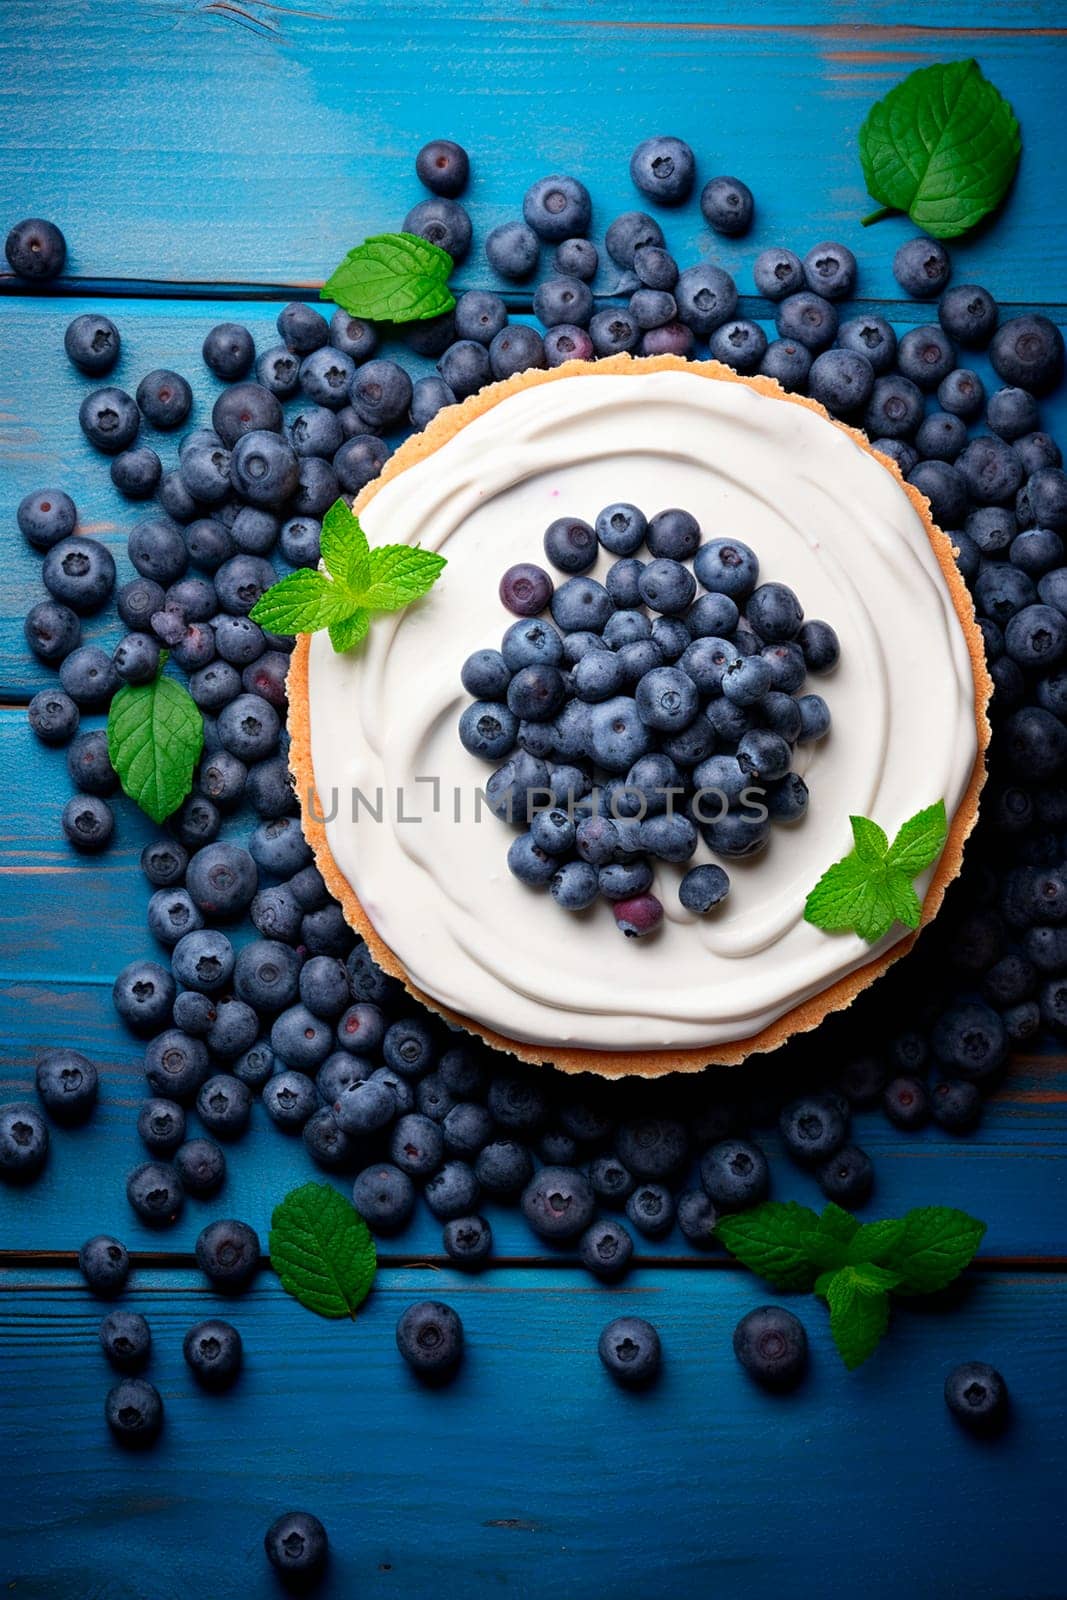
x=870, y=889
x=322, y=1250
x=358, y=582
x=943, y=146
x=854, y=1267
x=392, y=277
x=155, y=733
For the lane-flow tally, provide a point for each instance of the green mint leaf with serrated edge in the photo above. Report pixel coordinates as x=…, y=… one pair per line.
x=392, y=277
x=854, y=1266
x=943, y=146
x=772, y=1241
x=859, y=1312
x=936, y=1243
x=400, y=573
x=322, y=1250
x=303, y=602
x=155, y=733
x=344, y=548
x=870, y=889
x=919, y=841
x=358, y=582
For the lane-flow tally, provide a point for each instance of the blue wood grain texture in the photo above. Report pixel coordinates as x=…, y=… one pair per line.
x=278, y=144
x=531, y=1474
x=190, y=148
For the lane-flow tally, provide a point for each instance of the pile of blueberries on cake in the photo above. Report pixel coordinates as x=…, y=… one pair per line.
x=297, y=1016
x=644, y=716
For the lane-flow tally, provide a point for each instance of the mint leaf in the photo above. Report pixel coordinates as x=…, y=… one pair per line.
x=344, y=548
x=872, y=1241
x=859, y=1312
x=349, y=631
x=400, y=573
x=361, y=581
x=920, y=841
x=392, y=277
x=871, y=842
x=936, y=1243
x=771, y=1240
x=155, y=734
x=870, y=889
x=322, y=1250
x=943, y=146
x=301, y=603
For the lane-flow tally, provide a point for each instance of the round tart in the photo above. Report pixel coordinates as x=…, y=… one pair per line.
x=389, y=795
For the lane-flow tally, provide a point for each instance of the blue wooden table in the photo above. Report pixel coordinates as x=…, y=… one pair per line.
x=212, y=159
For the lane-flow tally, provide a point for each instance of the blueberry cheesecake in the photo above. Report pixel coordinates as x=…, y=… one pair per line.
x=690, y=626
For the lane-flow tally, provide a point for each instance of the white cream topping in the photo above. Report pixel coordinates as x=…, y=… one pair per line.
x=823, y=516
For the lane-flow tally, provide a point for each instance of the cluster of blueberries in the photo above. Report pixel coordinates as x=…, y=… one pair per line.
x=301, y=1016
x=653, y=710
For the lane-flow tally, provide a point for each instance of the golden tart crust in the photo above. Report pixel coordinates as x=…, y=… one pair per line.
x=809, y=1013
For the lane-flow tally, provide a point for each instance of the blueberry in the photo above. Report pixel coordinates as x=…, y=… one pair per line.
x=739, y=344
x=45, y=517
x=968, y=314
x=155, y=1193
x=813, y=1129
x=630, y=1349
x=638, y=916
x=1037, y=451
x=1036, y=636
x=444, y=167
x=164, y=398
x=53, y=716
x=384, y=1196
x=468, y=1241
x=778, y=273
x=431, y=337
x=201, y=1167
x=697, y=1219
x=871, y=337
x=136, y=473
x=442, y=222
x=24, y=1141
x=820, y=646
x=465, y=368
x=666, y=698
x=672, y=636
x=728, y=207
x=843, y=381
x=577, y=258
x=667, y=586
x=227, y=1252
x=734, y=1174
x=895, y=410
x=787, y=361
x=224, y=1104
x=1046, y=498
x=946, y=489
x=104, y=1264
x=664, y=169
x=605, y=1249
x=830, y=270
x=706, y=298
x=651, y=1210
x=36, y=249
x=381, y=393
x=922, y=267
x=229, y=350
x=580, y=605
x=109, y=419
x=79, y=573
x=133, y=1411
x=977, y=1396
x=244, y=409
x=297, y=1548
x=88, y=823
x=703, y=888
x=516, y=348
x=557, y=208
x=126, y=1340
x=848, y=1177
x=512, y=250
x=1037, y=551
x=558, y=1203
x=925, y=356
x=614, y=332
x=143, y=995
x=213, y=1351
x=161, y=1126
x=163, y=863
x=956, y=1105
x=175, y=1065
x=906, y=1102
x=503, y=1168
x=809, y=319
x=92, y=343
x=1028, y=351
x=429, y=1336
x=772, y=1346
x=326, y=376
x=563, y=301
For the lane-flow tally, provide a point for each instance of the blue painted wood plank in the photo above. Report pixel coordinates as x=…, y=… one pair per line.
x=42, y=445
x=532, y=1474
x=1013, y=1173
x=178, y=139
